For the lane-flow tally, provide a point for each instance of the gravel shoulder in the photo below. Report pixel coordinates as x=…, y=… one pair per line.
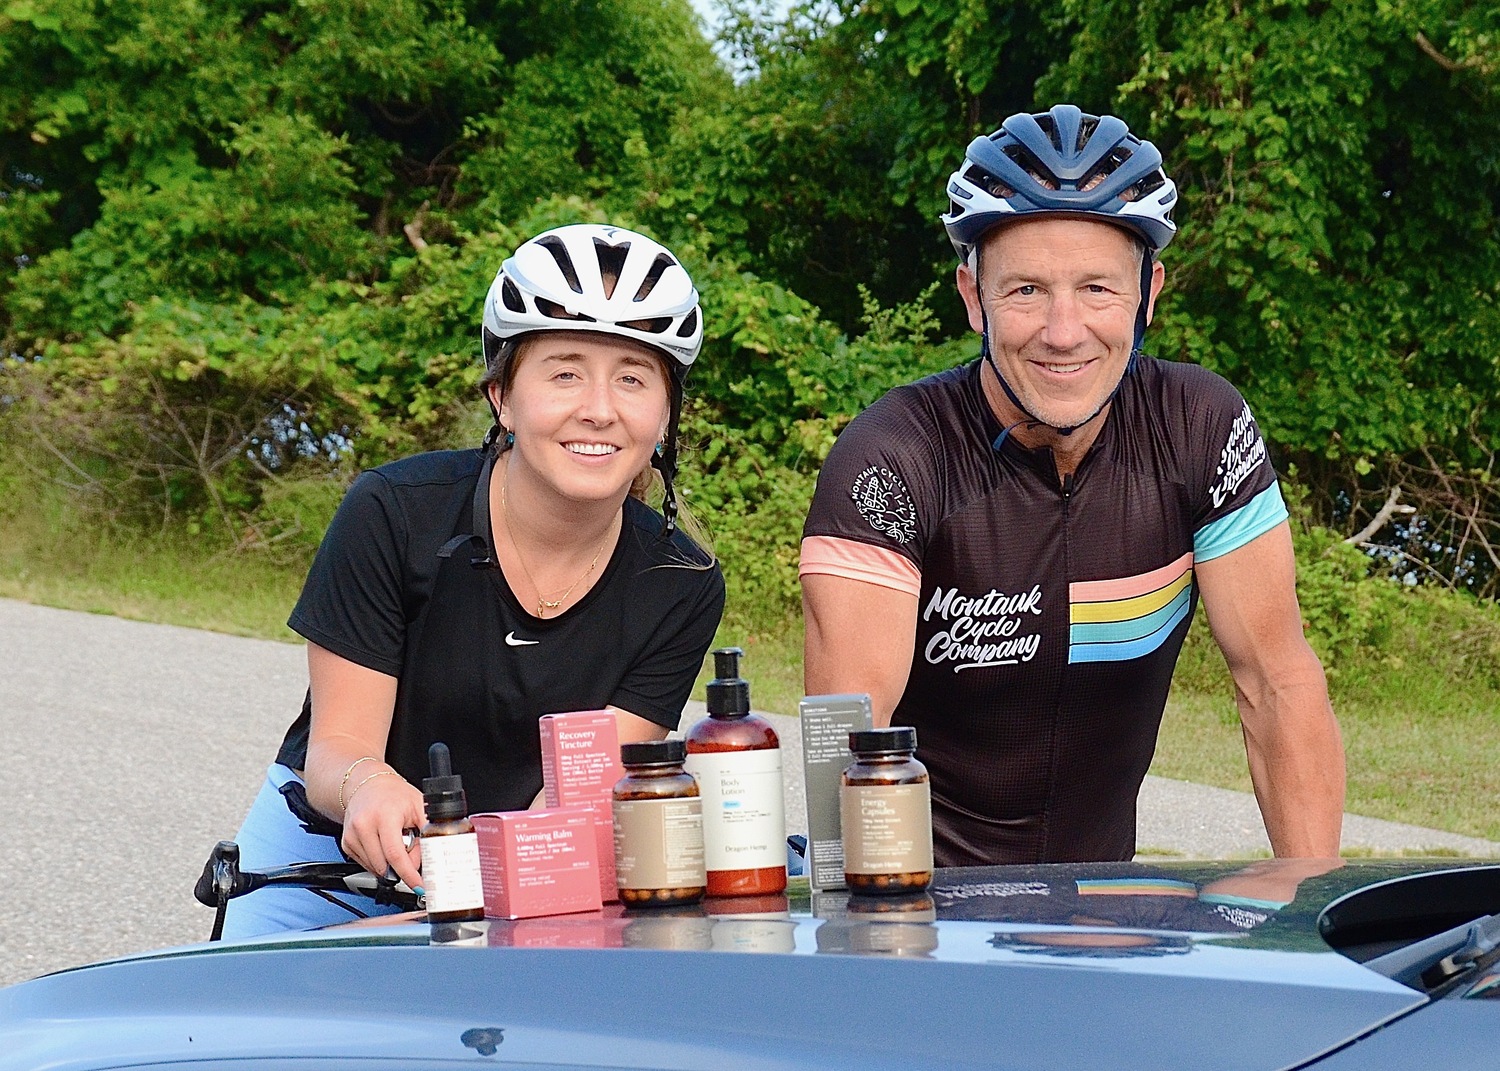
x=130, y=748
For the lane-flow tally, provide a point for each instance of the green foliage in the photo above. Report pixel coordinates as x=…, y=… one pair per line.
x=248, y=241
x=1333, y=259
x=777, y=385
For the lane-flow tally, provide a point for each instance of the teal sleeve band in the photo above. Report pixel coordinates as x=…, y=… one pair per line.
x=1256, y=517
x=1243, y=901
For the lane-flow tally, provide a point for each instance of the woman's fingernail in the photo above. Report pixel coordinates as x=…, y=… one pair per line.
x=420, y=891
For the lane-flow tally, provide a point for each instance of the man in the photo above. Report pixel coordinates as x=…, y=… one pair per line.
x=1007, y=555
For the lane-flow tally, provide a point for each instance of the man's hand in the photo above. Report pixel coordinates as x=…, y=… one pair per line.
x=1291, y=736
x=859, y=638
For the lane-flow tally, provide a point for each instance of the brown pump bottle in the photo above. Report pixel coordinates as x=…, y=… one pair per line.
x=736, y=757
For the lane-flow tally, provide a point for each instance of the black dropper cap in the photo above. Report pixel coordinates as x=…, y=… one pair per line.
x=728, y=695
x=443, y=792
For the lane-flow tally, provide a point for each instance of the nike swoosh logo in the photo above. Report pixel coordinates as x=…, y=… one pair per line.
x=510, y=639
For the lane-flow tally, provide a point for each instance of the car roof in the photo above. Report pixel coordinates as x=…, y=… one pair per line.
x=1117, y=965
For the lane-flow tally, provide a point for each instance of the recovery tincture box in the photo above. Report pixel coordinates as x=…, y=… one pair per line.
x=827, y=721
x=580, y=765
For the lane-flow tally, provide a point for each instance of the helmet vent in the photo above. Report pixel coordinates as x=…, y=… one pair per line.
x=611, y=263
x=648, y=284
x=555, y=311
x=511, y=297
x=689, y=324
x=1086, y=130
x=651, y=327
x=1033, y=167
x=554, y=245
x=978, y=176
x=1047, y=126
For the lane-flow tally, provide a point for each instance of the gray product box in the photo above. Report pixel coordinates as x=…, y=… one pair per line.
x=827, y=721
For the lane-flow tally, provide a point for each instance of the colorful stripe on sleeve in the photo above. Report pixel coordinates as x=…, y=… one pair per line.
x=1140, y=886
x=1117, y=620
x=1256, y=517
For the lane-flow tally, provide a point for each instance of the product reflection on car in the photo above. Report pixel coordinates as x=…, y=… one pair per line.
x=1272, y=964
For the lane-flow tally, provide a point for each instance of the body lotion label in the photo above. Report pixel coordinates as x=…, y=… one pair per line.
x=744, y=825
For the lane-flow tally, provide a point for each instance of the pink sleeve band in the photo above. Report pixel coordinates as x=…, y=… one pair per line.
x=831, y=556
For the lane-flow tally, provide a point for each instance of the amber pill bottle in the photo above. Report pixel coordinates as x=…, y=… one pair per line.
x=658, y=817
x=885, y=808
x=736, y=757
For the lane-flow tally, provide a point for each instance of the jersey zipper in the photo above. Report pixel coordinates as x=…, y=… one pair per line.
x=1057, y=713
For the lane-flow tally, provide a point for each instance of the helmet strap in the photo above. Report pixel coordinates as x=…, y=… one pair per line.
x=664, y=458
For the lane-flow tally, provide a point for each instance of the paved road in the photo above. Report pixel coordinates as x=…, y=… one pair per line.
x=127, y=749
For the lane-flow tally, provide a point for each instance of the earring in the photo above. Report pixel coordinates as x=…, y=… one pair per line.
x=510, y=438
x=658, y=448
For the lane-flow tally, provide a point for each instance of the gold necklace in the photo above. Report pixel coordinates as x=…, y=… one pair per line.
x=542, y=605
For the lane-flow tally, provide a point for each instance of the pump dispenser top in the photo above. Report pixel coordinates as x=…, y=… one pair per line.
x=728, y=693
x=443, y=791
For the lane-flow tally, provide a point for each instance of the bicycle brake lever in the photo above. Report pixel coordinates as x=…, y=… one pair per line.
x=221, y=879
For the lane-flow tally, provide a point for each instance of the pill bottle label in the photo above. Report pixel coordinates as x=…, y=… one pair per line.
x=450, y=873
x=659, y=843
x=744, y=827
x=887, y=828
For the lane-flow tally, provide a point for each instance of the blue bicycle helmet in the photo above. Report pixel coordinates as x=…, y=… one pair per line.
x=1061, y=162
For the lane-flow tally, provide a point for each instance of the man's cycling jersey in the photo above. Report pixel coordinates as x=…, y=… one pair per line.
x=1050, y=612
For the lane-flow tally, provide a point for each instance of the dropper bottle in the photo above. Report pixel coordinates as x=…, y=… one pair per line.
x=450, y=847
x=736, y=757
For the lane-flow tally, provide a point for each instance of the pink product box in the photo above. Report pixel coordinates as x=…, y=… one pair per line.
x=580, y=765
x=538, y=862
x=580, y=757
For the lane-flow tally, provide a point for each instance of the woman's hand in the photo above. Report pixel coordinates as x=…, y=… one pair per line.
x=379, y=809
x=346, y=777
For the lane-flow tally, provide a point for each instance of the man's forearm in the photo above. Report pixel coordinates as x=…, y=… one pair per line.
x=1297, y=765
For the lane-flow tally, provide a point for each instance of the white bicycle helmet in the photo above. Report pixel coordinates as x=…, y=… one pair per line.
x=591, y=277
x=1062, y=161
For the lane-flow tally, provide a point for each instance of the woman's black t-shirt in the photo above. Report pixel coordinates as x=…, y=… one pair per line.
x=474, y=669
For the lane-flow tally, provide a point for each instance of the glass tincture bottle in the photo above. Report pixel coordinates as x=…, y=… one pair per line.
x=450, y=848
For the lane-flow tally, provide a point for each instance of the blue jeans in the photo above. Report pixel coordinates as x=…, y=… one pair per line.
x=273, y=836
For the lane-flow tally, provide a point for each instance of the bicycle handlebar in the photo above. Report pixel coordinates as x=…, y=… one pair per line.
x=222, y=880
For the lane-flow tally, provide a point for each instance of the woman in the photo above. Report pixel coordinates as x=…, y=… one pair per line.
x=460, y=595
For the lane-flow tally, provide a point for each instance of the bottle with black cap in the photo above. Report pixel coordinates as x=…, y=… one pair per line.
x=885, y=810
x=658, y=819
x=736, y=757
x=450, y=848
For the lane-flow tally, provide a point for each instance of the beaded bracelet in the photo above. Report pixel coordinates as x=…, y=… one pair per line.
x=344, y=783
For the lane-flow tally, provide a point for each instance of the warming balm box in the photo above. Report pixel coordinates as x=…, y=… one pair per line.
x=538, y=862
x=580, y=765
x=827, y=721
